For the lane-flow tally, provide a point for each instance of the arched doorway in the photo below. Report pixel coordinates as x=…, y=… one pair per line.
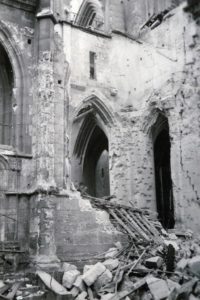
x=90, y=148
x=6, y=86
x=164, y=194
x=96, y=164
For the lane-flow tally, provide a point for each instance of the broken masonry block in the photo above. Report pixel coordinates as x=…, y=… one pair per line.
x=69, y=278
x=158, y=287
x=194, y=265
x=173, y=243
x=68, y=267
x=186, y=288
x=91, y=275
x=80, y=284
x=111, y=264
x=172, y=285
x=87, y=268
x=74, y=291
x=154, y=262
x=182, y=264
x=111, y=253
x=172, y=236
x=104, y=278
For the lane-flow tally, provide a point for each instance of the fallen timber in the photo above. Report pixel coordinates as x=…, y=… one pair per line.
x=153, y=265
x=138, y=223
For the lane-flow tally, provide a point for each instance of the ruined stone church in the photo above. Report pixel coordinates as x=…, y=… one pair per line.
x=97, y=97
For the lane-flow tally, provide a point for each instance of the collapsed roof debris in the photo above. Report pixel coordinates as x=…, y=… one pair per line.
x=153, y=264
x=139, y=224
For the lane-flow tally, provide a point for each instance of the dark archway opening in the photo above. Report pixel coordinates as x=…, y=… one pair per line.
x=6, y=85
x=164, y=195
x=96, y=165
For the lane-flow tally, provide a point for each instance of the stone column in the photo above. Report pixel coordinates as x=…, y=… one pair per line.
x=46, y=248
x=44, y=140
x=45, y=98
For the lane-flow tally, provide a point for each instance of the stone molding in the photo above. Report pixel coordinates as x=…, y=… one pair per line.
x=28, y=5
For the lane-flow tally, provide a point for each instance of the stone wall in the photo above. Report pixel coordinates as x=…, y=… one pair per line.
x=148, y=77
x=136, y=80
x=81, y=231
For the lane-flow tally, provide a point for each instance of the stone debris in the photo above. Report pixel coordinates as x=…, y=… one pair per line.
x=68, y=267
x=154, y=262
x=166, y=267
x=82, y=296
x=158, y=288
x=93, y=273
x=111, y=264
x=182, y=264
x=69, y=278
x=103, y=279
x=111, y=253
x=194, y=265
x=79, y=283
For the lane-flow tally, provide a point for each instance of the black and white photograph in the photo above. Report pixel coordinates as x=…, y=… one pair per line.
x=100, y=149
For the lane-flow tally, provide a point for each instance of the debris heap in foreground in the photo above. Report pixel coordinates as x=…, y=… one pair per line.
x=153, y=264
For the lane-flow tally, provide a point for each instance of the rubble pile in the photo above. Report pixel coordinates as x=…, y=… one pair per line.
x=169, y=271
x=154, y=264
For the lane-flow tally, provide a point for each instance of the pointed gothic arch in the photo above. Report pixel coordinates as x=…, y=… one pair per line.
x=4, y=169
x=90, y=14
x=90, y=151
x=17, y=88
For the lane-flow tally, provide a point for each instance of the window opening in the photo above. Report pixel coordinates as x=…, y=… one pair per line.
x=6, y=86
x=92, y=65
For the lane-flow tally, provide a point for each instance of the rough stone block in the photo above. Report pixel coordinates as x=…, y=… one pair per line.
x=2, y=284
x=158, y=288
x=69, y=278
x=103, y=279
x=91, y=275
x=80, y=284
x=111, y=253
x=154, y=262
x=74, y=291
x=173, y=243
x=173, y=285
x=87, y=268
x=194, y=265
x=111, y=263
x=68, y=267
x=182, y=264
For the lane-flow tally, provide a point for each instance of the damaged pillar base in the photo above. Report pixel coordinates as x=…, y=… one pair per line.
x=46, y=262
x=42, y=237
